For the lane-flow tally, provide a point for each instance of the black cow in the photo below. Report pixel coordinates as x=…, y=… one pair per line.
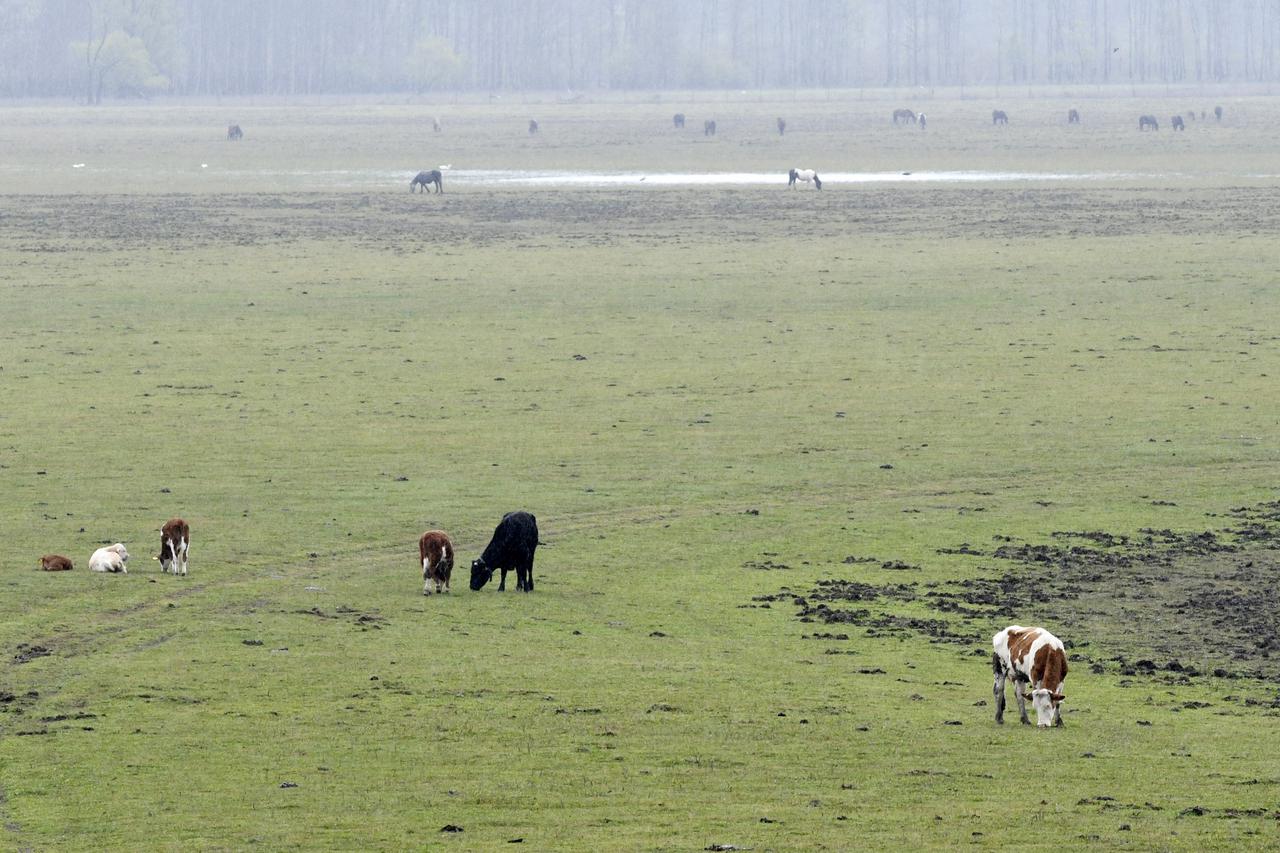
x=1217, y=113
x=425, y=179
x=533, y=126
x=512, y=546
x=1073, y=116
x=1148, y=121
x=709, y=127
x=234, y=133
x=999, y=117
x=782, y=125
x=1177, y=124
x=678, y=121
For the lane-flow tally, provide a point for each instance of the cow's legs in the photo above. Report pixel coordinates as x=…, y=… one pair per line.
x=1018, y=687
x=426, y=575
x=502, y=585
x=185, y=546
x=528, y=576
x=998, y=689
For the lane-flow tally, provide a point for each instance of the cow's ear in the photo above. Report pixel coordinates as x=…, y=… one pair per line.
x=1057, y=697
x=1026, y=695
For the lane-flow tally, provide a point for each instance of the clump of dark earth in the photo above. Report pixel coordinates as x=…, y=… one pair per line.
x=451, y=827
x=28, y=653
x=1101, y=591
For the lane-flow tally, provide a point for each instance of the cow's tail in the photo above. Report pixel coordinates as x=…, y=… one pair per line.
x=996, y=667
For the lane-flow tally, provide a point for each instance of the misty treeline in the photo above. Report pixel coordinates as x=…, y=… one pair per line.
x=90, y=49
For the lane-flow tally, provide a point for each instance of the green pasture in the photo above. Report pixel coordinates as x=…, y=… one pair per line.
x=706, y=396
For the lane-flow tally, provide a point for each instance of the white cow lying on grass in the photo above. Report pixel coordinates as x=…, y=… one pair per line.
x=109, y=559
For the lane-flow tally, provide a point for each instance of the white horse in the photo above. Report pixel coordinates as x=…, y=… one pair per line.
x=806, y=175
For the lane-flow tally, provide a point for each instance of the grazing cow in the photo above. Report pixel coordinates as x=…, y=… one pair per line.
x=435, y=551
x=110, y=559
x=908, y=116
x=55, y=563
x=924, y=122
x=1217, y=113
x=1191, y=114
x=512, y=546
x=1176, y=123
x=1073, y=116
x=999, y=117
x=425, y=179
x=435, y=124
x=782, y=125
x=806, y=175
x=175, y=541
x=1033, y=658
x=1145, y=122
x=234, y=133
x=678, y=121
x=709, y=127
x=533, y=126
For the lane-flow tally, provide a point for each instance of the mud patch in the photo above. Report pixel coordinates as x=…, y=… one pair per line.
x=1215, y=595
x=26, y=653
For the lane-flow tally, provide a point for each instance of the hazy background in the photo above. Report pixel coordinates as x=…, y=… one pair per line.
x=94, y=49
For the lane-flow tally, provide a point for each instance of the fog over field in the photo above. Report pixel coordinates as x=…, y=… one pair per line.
x=94, y=49
x=824, y=340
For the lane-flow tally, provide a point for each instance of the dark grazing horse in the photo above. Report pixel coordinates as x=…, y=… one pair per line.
x=1176, y=123
x=904, y=116
x=709, y=127
x=782, y=125
x=999, y=117
x=1073, y=116
x=1145, y=122
x=678, y=121
x=425, y=179
x=234, y=133
x=533, y=126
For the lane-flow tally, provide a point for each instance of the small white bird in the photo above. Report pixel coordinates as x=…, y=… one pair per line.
x=446, y=166
x=77, y=165
x=204, y=165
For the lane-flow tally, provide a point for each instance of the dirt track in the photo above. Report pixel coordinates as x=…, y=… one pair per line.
x=416, y=223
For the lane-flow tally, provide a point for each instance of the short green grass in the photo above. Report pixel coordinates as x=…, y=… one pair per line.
x=680, y=384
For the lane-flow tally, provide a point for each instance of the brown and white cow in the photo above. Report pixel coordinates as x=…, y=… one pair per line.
x=55, y=563
x=1033, y=658
x=175, y=540
x=436, y=553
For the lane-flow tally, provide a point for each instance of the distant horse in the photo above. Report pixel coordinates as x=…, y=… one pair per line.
x=904, y=116
x=999, y=117
x=1176, y=123
x=806, y=175
x=425, y=179
x=234, y=133
x=435, y=124
x=1217, y=113
x=782, y=125
x=1148, y=121
x=709, y=127
x=924, y=122
x=533, y=126
x=1073, y=116
x=678, y=121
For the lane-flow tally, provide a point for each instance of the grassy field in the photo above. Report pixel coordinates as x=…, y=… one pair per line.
x=714, y=400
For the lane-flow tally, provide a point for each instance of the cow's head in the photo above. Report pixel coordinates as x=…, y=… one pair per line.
x=817, y=182
x=1046, y=703
x=166, y=553
x=480, y=574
